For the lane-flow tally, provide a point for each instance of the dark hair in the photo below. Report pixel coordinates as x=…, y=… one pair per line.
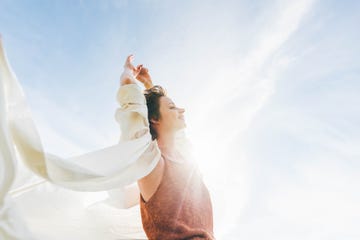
x=152, y=96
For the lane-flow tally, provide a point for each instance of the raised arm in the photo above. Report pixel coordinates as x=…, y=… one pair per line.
x=133, y=120
x=132, y=113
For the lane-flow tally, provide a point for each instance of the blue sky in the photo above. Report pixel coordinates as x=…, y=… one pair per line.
x=270, y=87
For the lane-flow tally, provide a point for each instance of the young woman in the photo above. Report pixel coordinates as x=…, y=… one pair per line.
x=174, y=202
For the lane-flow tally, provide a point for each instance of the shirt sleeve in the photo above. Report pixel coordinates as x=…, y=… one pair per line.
x=132, y=113
x=132, y=116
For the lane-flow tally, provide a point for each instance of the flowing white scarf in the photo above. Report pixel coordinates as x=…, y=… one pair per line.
x=121, y=164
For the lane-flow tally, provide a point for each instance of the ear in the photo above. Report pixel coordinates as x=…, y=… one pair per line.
x=153, y=121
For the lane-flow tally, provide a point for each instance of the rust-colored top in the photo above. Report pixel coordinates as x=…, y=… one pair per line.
x=181, y=207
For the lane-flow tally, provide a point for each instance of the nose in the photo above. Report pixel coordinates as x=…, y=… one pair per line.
x=182, y=110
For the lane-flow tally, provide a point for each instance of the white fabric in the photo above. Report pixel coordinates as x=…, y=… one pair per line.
x=121, y=164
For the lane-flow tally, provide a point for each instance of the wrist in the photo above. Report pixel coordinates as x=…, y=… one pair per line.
x=127, y=76
x=148, y=84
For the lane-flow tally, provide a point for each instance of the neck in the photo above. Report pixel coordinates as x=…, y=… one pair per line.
x=166, y=142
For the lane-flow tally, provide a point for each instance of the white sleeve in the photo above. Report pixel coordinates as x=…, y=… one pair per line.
x=132, y=113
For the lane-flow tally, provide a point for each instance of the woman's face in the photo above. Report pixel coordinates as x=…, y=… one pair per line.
x=171, y=117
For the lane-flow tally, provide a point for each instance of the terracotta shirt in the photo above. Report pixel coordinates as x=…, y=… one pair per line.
x=181, y=207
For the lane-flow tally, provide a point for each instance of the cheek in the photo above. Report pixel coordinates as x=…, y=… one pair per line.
x=173, y=116
x=166, y=116
x=170, y=117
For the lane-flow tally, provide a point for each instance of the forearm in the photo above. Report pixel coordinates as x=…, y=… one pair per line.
x=127, y=77
x=127, y=80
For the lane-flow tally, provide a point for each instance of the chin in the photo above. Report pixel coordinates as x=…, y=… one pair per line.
x=181, y=127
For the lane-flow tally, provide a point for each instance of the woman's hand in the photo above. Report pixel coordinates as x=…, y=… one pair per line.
x=139, y=72
x=130, y=72
x=144, y=77
x=128, y=64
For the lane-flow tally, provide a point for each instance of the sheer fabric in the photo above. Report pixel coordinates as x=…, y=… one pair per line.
x=113, y=167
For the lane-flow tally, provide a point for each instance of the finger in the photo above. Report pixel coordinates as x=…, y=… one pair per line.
x=138, y=68
x=128, y=62
x=130, y=58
